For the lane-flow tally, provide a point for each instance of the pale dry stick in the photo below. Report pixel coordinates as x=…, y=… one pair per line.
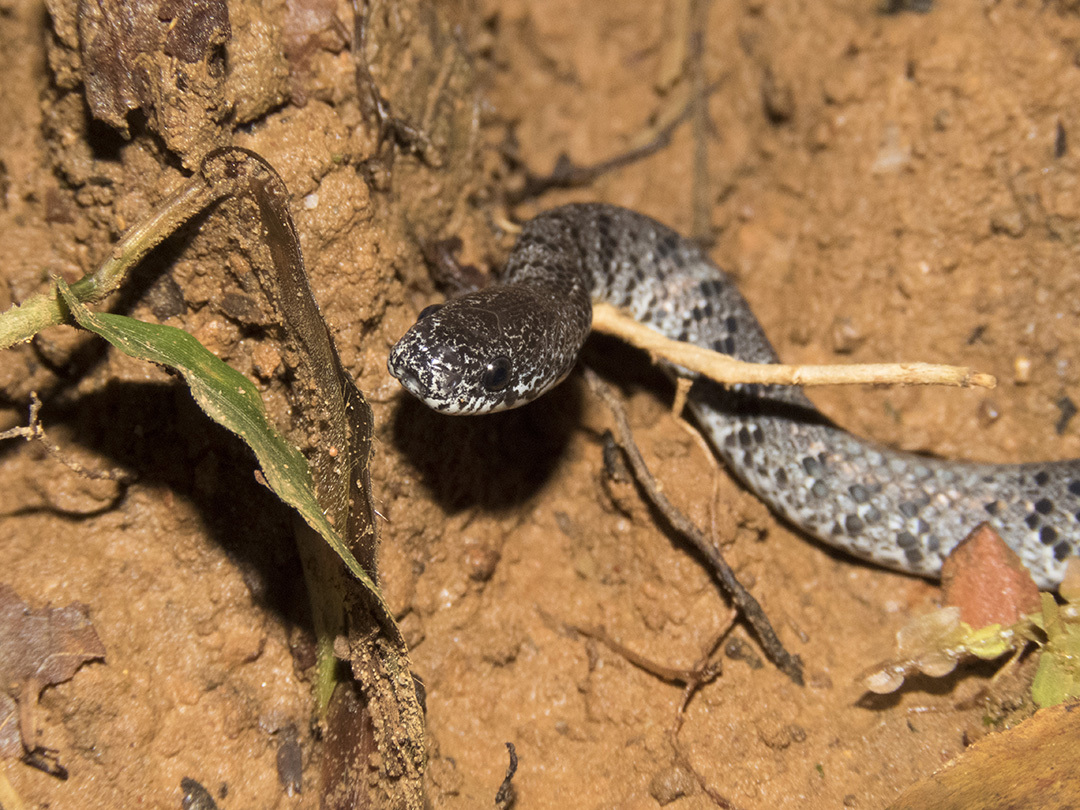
x=678, y=404
x=682, y=393
x=682, y=389
x=724, y=369
x=29, y=431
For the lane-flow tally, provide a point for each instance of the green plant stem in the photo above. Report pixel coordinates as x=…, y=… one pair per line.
x=22, y=322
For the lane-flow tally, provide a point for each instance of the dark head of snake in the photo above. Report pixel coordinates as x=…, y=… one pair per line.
x=484, y=352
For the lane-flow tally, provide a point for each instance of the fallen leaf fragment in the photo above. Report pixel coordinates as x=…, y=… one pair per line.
x=986, y=580
x=992, y=607
x=38, y=648
x=932, y=644
x=988, y=598
x=1031, y=765
x=1058, y=676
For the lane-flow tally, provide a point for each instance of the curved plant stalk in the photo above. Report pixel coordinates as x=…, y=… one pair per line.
x=23, y=321
x=330, y=489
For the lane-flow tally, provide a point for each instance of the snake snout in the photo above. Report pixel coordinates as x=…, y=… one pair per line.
x=403, y=374
x=433, y=375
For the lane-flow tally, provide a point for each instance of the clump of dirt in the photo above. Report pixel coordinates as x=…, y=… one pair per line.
x=884, y=187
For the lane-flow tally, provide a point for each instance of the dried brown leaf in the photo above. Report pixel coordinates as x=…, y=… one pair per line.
x=1030, y=765
x=38, y=648
x=120, y=40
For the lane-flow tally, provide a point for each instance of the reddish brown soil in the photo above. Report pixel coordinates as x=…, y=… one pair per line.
x=884, y=187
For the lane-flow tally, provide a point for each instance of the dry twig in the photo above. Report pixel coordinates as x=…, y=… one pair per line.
x=34, y=430
x=505, y=796
x=724, y=369
x=702, y=672
x=747, y=604
x=568, y=174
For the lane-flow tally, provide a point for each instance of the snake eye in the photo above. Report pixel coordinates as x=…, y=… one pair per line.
x=429, y=310
x=497, y=374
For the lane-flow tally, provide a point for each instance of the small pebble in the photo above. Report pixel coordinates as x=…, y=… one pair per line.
x=265, y=360
x=480, y=560
x=988, y=412
x=290, y=761
x=1021, y=370
x=671, y=784
x=738, y=650
x=846, y=336
x=1068, y=411
x=196, y=797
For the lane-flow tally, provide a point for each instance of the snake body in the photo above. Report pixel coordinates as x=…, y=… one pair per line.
x=505, y=345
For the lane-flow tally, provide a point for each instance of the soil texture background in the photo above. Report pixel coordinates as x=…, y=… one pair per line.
x=884, y=185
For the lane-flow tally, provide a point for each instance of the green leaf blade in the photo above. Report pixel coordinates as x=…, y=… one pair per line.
x=231, y=400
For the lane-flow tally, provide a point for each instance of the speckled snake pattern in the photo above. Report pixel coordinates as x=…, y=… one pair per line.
x=505, y=345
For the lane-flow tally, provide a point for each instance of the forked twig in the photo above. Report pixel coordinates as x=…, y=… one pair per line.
x=567, y=174
x=34, y=430
x=702, y=671
x=787, y=663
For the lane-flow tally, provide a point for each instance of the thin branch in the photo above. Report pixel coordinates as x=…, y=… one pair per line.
x=35, y=430
x=702, y=671
x=724, y=369
x=373, y=105
x=747, y=604
x=567, y=174
x=681, y=756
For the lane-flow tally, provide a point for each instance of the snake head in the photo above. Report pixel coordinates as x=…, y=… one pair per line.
x=456, y=358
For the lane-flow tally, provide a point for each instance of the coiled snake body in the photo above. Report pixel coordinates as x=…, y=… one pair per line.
x=506, y=345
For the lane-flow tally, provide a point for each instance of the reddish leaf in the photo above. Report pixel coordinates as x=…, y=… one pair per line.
x=986, y=580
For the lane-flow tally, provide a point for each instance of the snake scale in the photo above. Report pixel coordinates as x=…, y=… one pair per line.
x=505, y=345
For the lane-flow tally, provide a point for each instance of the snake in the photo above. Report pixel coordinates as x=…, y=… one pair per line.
x=504, y=345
